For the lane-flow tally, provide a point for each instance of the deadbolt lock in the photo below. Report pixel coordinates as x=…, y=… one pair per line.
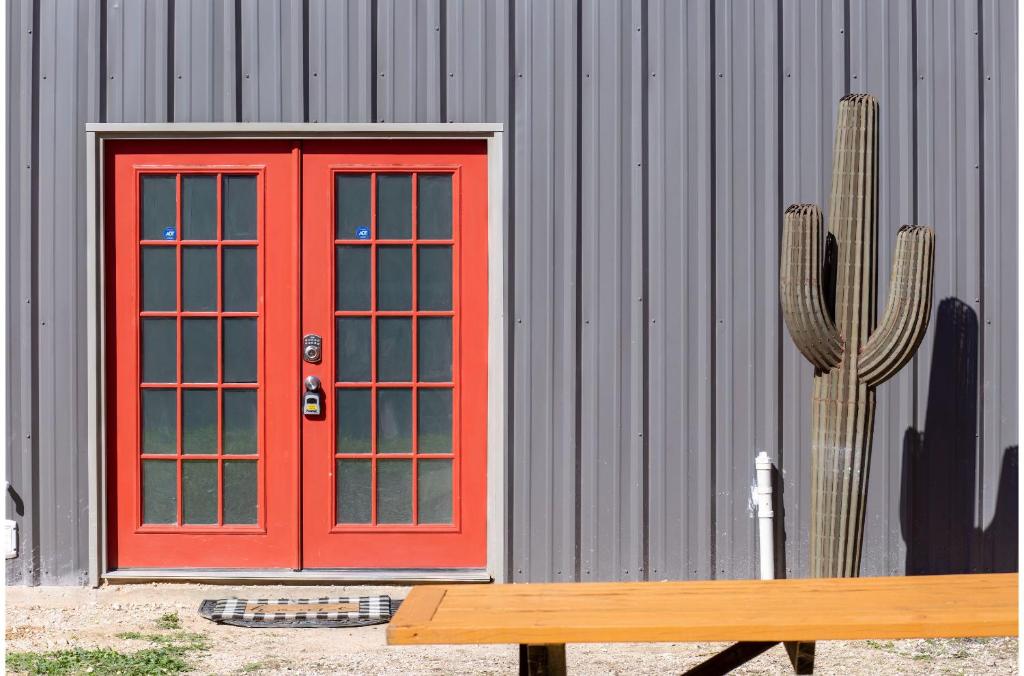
x=312, y=348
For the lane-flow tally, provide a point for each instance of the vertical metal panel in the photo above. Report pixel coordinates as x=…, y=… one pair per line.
x=680, y=323
x=651, y=149
x=273, y=61
x=611, y=289
x=880, y=63
x=747, y=232
x=205, y=74
x=998, y=160
x=409, y=61
x=22, y=502
x=137, y=49
x=545, y=142
x=341, y=61
x=813, y=80
x=476, y=52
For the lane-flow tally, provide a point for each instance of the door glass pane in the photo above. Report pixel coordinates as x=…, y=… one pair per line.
x=199, y=492
x=199, y=350
x=353, y=491
x=159, y=351
x=394, y=420
x=159, y=421
x=239, y=207
x=240, y=350
x=199, y=278
x=159, y=207
x=199, y=421
x=435, y=349
x=352, y=277
x=159, y=278
x=394, y=206
x=394, y=278
x=352, y=206
x=434, y=491
x=199, y=207
x=240, y=408
x=434, y=218
x=394, y=349
x=394, y=491
x=240, y=492
x=434, y=420
x=353, y=349
x=159, y=491
x=239, y=279
x=354, y=422
x=435, y=278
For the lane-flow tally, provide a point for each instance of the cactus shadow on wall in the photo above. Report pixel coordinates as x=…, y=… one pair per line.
x=938, y=501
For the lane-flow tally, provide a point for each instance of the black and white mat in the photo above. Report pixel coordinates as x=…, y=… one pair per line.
x=336, y=611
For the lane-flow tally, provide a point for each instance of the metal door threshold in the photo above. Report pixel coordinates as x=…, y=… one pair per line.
x=283, y=575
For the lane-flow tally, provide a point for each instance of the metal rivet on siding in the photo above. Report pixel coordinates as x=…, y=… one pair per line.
x=519, y=74
x=382, y=73
x=841, y=31
x=30, y=31
x=44, y=77
x=315, y=74
x=854, y=77
x=451, y=74
x=988, y=77
x=721, y=75
x=246, y=76
x=179, y=77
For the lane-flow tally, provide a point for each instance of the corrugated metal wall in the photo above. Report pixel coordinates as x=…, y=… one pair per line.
x=652, y=149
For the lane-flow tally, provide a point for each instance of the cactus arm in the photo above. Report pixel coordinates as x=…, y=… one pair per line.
x=800, y=290
x=907, y=310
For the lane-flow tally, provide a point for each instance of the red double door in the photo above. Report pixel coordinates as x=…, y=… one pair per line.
x=228, y=264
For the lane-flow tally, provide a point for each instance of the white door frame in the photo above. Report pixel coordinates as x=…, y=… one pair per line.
x=493, y=134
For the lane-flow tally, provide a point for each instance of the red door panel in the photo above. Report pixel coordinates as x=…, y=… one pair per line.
x=203, y=266
x=395, y=281
x=220, y=257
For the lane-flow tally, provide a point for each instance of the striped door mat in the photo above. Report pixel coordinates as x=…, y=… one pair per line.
x=336, y=611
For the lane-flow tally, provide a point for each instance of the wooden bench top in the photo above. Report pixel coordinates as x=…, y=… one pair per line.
x=933, y=606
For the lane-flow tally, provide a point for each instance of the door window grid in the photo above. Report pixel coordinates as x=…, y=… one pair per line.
x=374, y=456
x=242, y=480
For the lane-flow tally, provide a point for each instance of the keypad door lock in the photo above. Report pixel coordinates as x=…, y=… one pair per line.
x=312, y=348
x=312, y=398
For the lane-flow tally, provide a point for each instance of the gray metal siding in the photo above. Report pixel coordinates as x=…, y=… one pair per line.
x=652, y=147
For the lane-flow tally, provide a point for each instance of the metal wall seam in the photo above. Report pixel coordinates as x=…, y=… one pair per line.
x=340, y=61
x=409, y=61
x=679, y=378
x=611, y=382
x=544, y=329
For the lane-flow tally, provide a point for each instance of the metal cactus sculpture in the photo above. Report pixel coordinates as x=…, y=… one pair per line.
x=831, y=313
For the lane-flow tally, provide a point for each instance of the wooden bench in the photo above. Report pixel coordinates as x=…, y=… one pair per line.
x=757, y=614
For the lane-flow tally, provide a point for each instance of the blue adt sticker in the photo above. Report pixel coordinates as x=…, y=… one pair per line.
x=362, y=232
x=170, y=233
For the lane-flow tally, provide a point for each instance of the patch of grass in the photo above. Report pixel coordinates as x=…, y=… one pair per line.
x=168, y=656
x=881, y=645
x=168, y=621
x=261, y=665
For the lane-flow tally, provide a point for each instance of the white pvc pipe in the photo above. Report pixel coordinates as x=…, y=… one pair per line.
x=766, y=535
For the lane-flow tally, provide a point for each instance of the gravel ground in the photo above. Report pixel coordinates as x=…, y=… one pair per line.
x=53, y=618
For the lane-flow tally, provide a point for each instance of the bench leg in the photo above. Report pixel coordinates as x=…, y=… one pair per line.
x=542, y=660
x=730, y=658
x=801, y=655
